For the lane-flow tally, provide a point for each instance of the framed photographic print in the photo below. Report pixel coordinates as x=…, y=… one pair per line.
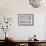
x=25, y=19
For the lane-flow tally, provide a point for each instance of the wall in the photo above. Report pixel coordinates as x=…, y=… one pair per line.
x=11, y=8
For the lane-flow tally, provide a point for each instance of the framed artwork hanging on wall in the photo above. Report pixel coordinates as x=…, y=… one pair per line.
x=25, y=19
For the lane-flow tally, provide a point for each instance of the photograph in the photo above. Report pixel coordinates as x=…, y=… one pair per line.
x=25, y=19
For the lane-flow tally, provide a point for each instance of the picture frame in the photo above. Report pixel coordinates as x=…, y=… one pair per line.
x=25, y=19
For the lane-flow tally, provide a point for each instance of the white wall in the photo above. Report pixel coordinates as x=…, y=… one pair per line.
x=12, y=8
